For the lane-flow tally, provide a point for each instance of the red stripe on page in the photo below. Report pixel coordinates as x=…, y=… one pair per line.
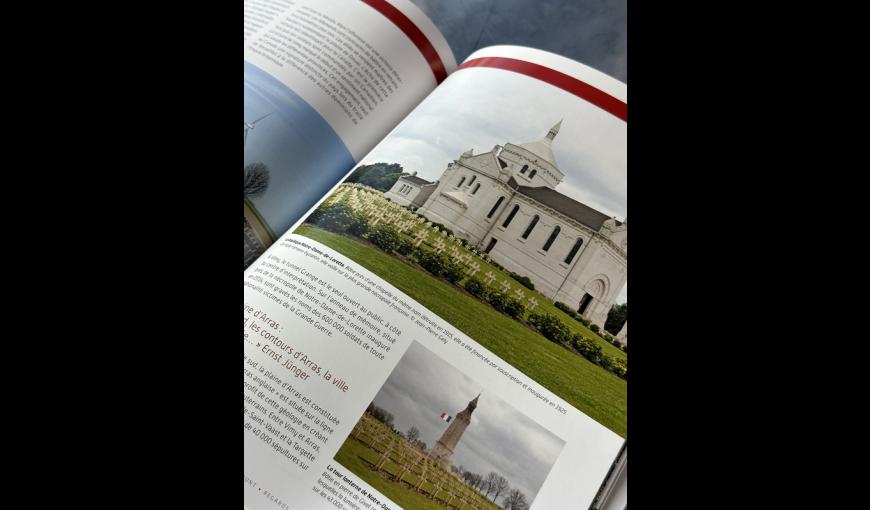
x=577, y=87
x=414, y=34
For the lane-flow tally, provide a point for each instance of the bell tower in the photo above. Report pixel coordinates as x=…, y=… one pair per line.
x=444, y=448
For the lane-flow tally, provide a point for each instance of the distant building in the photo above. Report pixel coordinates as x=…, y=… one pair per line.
x=411, y=191
x=505, y=202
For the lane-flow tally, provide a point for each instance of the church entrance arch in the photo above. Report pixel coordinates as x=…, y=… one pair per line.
x=584, y=303
x=594, y=290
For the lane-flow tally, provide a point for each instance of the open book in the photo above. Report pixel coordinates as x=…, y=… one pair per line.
x=433, y=254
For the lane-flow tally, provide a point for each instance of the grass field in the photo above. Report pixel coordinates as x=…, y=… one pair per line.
x=351, y=455
x=588, y=387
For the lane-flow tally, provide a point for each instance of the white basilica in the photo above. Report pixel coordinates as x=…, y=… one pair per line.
x=505, y=202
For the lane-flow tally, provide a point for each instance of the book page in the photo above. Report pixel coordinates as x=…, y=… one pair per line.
x=324, y=81
x=447, y=328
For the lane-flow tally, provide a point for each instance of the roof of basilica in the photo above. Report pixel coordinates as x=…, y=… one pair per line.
x=415, y=180
x=566, y=205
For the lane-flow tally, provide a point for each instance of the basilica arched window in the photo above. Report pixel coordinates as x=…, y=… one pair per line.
x=532, y=173
x=525, y=167
x=473, y=178
x=460, y=182
x=510, y=216
x=531, y=226
x=497, y=203
x=476, y=188
x=574, y=250
x=552, y=237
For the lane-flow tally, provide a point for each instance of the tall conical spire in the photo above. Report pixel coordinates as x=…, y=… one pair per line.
x=554, y=130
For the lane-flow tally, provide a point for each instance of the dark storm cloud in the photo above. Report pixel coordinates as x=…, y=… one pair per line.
x=499, y=438
x=589, y=31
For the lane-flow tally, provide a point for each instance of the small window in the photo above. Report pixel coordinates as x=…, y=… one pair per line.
x=495, y=207
x=473, y=178
x=532, y=174
x=502, y=163
x=525, y=167
x=531, y=226
x=460, y=182
x=552, y=238
x=574, y=250
x=510, y=217
x=476, y=188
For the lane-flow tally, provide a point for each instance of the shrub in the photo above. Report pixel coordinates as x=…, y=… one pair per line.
x=587, y=347
x=595, y=328
x=583, y=321
x=405, y=247
x=514, y=307
x=442, y=228
x=451, y=271
x=608, y=337
x=340, y=218
x=432, y=262
x=498, y=300
x=524, y=280
x=384, y=237
x=358, y=225
x=439, y=265
x=551, y=327
x=567, y=309
x=618, y=367
x=476, y=288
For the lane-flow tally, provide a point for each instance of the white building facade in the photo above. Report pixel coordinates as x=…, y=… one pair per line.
x=411, y=191
x=504, y=202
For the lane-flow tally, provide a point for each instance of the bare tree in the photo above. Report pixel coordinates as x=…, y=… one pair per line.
x=413, y=434
x=256, y=179
x=479, y=482
x=499, y=485
x=515, y=500
x=473, y=480
x=490, y=482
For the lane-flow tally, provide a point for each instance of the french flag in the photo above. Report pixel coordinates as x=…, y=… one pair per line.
x=446, y=417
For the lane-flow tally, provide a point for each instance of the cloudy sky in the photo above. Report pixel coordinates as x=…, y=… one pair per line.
x=479, y=108
x=590, y=31
x=499, y=438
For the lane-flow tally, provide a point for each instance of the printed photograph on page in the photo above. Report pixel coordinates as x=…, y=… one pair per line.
x=435, y=436
x=500, y=205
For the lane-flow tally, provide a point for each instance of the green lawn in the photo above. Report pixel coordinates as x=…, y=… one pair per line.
x=586, y=386
x=351, y=455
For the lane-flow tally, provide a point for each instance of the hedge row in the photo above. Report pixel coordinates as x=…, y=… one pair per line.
x=524, y=280
x=498, y=300
x=594, y=327
x=556, y=331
